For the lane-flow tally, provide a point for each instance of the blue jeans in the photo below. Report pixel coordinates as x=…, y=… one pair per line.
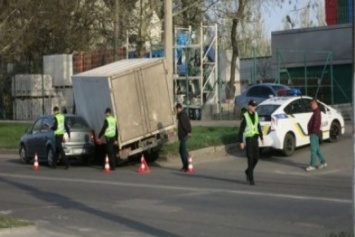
x=183, y=152
x=316, y=151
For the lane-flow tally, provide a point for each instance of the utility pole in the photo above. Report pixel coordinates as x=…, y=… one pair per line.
x=353, y=104
x=169, y=46
x=116, y=28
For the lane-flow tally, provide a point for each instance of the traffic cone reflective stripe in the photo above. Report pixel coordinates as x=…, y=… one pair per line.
x=107, y=168
x=35, y=163
x=190, y=169
x=143, y=168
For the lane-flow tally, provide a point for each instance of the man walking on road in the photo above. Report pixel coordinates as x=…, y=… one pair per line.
x=109, y=130
x=59, y=127
x=315, y=133
x=250, y=131
x=184, y=131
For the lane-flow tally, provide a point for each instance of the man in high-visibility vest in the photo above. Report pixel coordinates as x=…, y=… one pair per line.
x=249, y=133
x=109, y=130
x=59, y=127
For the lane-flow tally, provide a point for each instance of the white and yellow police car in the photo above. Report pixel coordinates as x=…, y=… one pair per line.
x=284, y=121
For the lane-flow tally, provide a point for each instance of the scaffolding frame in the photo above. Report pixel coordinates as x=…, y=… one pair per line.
x=206, y=83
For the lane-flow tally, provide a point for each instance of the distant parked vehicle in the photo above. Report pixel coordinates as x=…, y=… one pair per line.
x=39, y=139
x=259, y=93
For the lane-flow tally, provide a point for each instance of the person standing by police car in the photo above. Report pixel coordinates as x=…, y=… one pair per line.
x=315, y=133
x=59, y=127
x=109, y=130
x=249, y=134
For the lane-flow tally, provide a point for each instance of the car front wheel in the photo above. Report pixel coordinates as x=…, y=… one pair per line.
x=23, y=156
x=289, y=144
x=334, y=131
x=50, y=157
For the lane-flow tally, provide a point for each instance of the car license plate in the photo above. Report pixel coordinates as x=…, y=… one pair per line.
x=79, y=151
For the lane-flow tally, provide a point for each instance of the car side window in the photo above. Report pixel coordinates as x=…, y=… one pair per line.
x=307, y=103
x=254, y=91
x=37, y=126
x=265, y=92
x=295, y=107
x=47, y=121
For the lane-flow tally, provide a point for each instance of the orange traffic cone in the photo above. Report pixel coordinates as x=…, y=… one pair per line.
x=190, y=169
x=107, y=168
x=143, y=168
x=35, y=163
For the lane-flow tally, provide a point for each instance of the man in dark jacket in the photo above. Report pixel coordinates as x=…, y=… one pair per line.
x=314, y=132
x=249, y=134
x=184, y=131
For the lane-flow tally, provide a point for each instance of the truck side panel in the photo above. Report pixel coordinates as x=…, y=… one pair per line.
x=91, y=97
x=128, y=106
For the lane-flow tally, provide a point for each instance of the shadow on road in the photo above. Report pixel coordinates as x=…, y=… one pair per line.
x=67, y=203
x=275, y=156
x=201, y=176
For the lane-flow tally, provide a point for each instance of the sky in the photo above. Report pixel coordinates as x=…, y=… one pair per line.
x=274, y=20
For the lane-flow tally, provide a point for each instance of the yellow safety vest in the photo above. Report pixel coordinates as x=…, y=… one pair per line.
x=111, y=128
x=60, y=124
x=251, y=129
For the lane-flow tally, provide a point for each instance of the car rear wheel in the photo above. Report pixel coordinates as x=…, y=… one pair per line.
x=23, y=156
x=50, y=157
x=334, y=131
x=289, y=145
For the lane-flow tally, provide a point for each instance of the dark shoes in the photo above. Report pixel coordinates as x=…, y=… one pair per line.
x=249, y=180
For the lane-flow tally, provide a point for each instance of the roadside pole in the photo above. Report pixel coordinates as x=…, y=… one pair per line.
x=353, y=117
x=169, y=47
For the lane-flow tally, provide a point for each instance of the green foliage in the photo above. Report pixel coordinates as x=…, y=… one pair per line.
x=10, y=222
x=11, y=134
x=203, y=137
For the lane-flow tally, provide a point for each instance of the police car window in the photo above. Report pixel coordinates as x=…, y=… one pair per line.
x=295, y=107
x=254, y=91
x=265, y=92
x=307, y=103
x=264, y=110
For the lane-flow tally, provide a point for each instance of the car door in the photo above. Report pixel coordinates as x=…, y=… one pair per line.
x=46, y=135
x=33, y=140
x=300, y=116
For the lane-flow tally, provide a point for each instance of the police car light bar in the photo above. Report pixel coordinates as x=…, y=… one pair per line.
x=290, y=92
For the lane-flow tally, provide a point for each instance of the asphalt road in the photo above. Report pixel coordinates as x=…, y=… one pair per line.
x=215, y=201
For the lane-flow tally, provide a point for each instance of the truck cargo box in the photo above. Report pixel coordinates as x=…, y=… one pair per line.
x=137, y=91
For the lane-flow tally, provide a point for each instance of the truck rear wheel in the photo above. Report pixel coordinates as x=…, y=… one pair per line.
x=152, y=155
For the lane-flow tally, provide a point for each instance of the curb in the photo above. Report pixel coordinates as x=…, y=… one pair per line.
x=23, y=230
x=201, y=155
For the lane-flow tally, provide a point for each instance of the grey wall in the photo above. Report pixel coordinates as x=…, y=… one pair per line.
x=336, y=39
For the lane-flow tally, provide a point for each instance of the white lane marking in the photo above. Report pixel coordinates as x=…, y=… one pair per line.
x=179, y=188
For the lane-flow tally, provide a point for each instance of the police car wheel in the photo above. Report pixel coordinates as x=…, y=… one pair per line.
x=289, y=144
x=334, y=132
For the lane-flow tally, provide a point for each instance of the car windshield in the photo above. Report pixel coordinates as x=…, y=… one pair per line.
x=76, y=122
x=279, y=87
x=266, y=110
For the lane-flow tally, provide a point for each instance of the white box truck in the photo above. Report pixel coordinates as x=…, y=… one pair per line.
x=137, y=92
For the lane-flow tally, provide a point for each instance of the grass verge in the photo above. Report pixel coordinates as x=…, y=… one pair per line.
x=203, y=137
x=11, y=134
x=10, y=222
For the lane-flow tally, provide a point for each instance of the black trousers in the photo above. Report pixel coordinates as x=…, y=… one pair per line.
x=183, y=152
x=110, y=150
x=252, y=150
x=59, y=150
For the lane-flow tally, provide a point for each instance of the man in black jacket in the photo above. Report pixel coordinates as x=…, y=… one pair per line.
x=184, y=131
